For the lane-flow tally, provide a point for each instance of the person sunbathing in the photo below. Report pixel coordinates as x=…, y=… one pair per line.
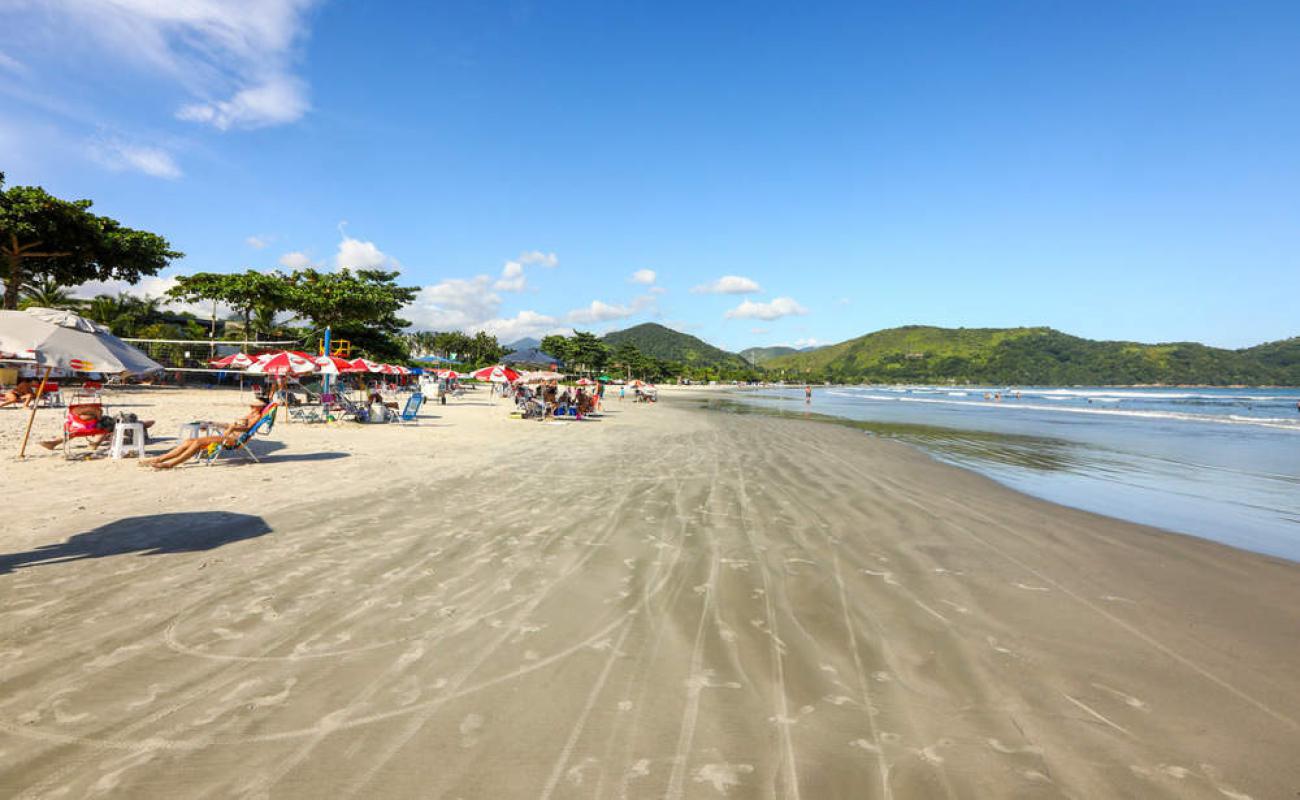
x=24, y=391
x=191, y=447
x=88, y=420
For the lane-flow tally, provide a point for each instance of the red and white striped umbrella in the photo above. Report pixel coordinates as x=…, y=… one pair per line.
x=333, y=365
x=365, y=365
x=284, y=362
x=447, y=374
x=401, y=370
x=388, y=369
x=586, y=382
x=497, y=374
x=233, y=361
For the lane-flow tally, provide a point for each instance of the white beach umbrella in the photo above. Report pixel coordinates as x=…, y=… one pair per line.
x=68, y=341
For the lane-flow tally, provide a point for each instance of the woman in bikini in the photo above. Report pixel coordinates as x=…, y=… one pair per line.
x=190, y=447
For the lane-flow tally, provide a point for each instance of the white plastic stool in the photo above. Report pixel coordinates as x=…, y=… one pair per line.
x=193, y=430
x=120, y=446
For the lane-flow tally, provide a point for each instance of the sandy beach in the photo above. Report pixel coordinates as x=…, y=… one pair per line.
x=666, y=602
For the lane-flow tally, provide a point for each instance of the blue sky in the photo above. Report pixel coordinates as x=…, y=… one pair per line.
x=754, y=173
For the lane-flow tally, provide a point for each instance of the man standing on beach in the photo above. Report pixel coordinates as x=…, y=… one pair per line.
x=807, y=393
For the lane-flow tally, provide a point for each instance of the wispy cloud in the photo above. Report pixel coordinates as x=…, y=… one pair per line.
x=235, y=57
x=10, y=64
x=728, y=284
x=257, y=242
x=777, y=308
x=119, y=155
x=645, y=277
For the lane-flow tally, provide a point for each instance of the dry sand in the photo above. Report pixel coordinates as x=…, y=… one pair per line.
x=664, y=603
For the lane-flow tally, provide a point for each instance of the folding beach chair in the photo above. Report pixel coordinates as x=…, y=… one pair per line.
x=74, y=428
x=263, y=425
x=412, y=410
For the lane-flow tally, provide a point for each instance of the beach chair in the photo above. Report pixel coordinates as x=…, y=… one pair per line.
x=263, y=425
x=347, y=408
x=52, y=397
x=75, y=428
x=412, y=410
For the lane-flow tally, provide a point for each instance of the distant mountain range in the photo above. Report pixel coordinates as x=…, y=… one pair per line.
x=528, y=343
x=658, y=341
x=1037, y=356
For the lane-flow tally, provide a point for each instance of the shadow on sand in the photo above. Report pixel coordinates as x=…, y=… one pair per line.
x=154, y=535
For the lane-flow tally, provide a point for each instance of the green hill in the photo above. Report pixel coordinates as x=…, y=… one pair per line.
x=1043, y=356
x=761, y=355
x=665, y=343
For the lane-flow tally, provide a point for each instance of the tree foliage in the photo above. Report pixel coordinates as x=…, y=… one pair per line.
x=249, y=293
x=42, y=236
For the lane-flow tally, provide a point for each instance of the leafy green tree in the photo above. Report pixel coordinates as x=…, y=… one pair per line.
x=588, y=352
x=360, y=306
x=249, y=293
x=557, y=346
x=42, y=236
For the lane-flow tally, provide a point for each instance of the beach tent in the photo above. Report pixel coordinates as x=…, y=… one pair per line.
x=538, y=376
x=64, y=340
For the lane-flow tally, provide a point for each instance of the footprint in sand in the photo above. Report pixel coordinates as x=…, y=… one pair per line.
x=469, y=729
x=1011, y=750
x=997, y=647
x=723, y=777
x=1029, y=588
x=1128, y=699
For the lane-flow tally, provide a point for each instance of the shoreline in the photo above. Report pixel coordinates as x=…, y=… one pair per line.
x=658, y=603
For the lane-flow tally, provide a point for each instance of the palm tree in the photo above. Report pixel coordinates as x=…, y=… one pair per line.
x=47, y=293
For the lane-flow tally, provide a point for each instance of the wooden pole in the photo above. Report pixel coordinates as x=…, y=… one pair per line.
x=22, y=449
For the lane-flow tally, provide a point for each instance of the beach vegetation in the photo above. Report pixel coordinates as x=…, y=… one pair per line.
x=43, y=237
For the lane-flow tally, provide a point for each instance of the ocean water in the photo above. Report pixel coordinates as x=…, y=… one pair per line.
x=1222, y=464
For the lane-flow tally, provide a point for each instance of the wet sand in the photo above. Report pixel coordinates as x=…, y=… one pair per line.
x=665, y=603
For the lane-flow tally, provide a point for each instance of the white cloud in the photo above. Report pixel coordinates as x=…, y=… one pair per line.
x=512, y=278
x=512, y=272
x=728, y=284
x=295, y=260
x=522, y=325
x=809, y=342
x=777, y=308
x=235, y=56
x=151, y=286
x=279, y=100
x=119, y=156
x=539, y=258
x=257, y=242
x=455, y=304
x=645, y=277
x=8, y=62
x=356, y=254
x=760, y=331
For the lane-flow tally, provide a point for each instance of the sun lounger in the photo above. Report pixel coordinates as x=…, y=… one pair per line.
x=264, y=425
